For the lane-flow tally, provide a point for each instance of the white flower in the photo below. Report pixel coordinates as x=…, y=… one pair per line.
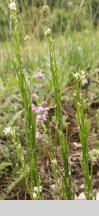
x=34, y=195
x=35, y=189
x=40, y=189
x=12, y=6
x=80, y=75
x=52, y=186
x=54, y=161
x=8, y=131
x=47, y=32
x=83, y=74
x=77, y=75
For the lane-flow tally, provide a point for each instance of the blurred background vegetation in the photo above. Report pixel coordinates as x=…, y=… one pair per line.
x=65, y=15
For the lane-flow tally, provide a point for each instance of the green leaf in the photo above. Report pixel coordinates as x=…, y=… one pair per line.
x=15, y=117
x=11, y=187
x=3, y=165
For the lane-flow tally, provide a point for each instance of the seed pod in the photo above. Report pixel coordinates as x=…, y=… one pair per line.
x=45, y=11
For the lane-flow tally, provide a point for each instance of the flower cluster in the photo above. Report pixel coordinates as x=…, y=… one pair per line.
x=54, y=162
x=48, y=32
x=36, y=191
x=34, y=96
x=38, y=134
x=45, y=10
x=42, y=113
x=12, y=6
x=9, y=131
x=39, y=75
x=80, y=75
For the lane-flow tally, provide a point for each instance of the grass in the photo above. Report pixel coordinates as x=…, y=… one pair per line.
x=23, y=154
x=84, y=129
x=67, y=188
